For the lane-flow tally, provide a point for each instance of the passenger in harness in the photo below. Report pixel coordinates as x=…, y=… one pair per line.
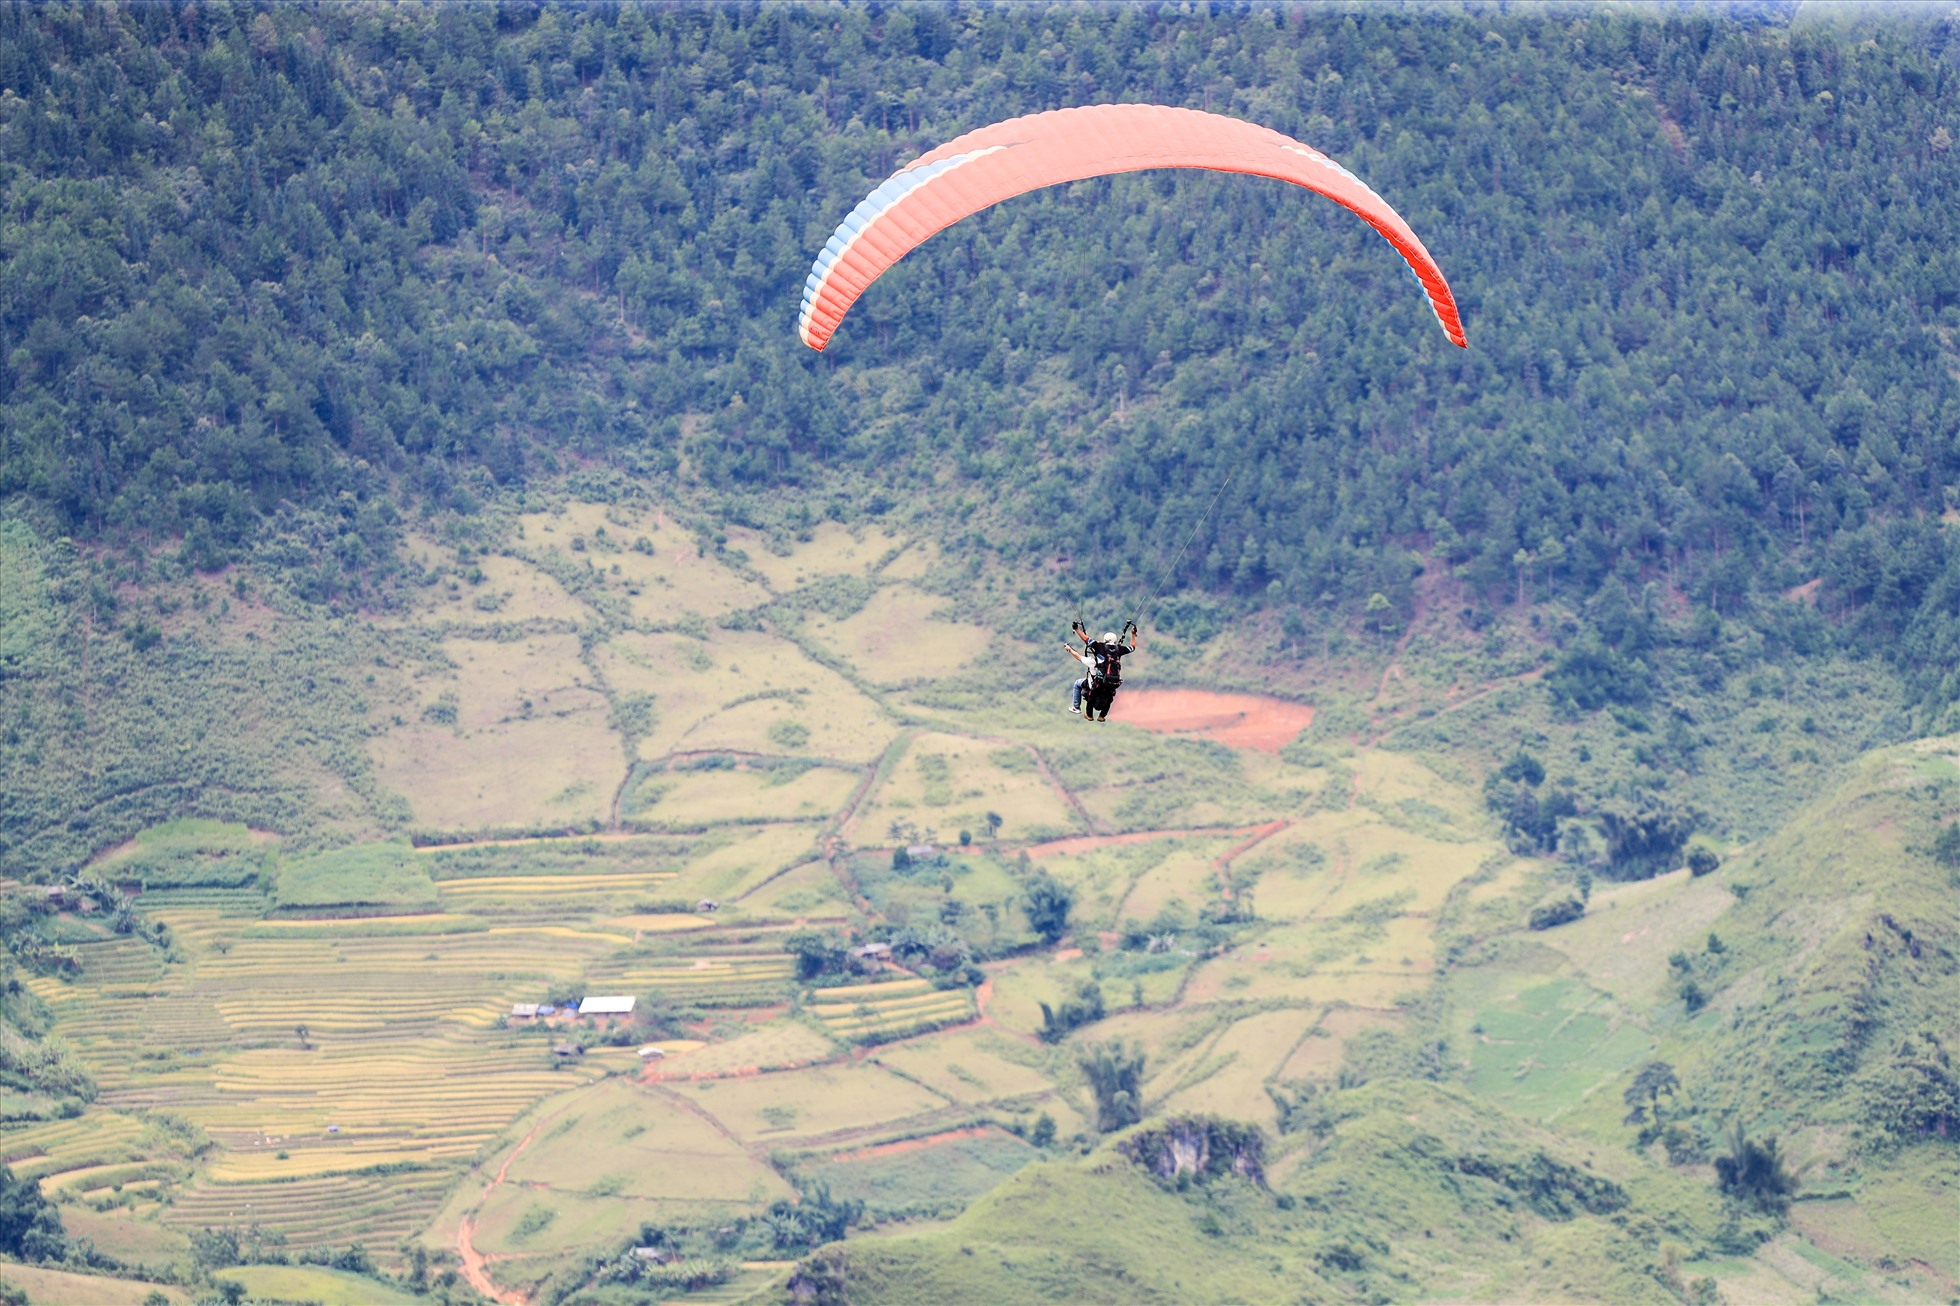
x=1102, y=659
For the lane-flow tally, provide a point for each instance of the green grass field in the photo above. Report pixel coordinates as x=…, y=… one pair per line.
x=309, y=1283
x=934, y=1176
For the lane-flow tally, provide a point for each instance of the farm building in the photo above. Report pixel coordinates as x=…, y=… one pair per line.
x=620, y=1005
x=872, y=952
x=707, y=905
x=920, y=852
x=528, y=1010
x=567, y=1050
x=652, y=1053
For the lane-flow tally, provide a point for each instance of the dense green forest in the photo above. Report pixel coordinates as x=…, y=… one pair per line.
x=277, y=278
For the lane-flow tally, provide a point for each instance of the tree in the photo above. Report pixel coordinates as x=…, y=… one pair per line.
x=1115, y=1075
x=815, y=1220
x=816, y=952
x=1946, y=847
x=1643, y=1095
x=993, y=825
x=1043, y=1132
x=1047, y=901
x=304, y=1034
x=1379, y=610
x=1085, y=1008
x=214, y=1249
x=1702, y=860
x=1755, y=1173
x=1644, y=835
x=30, y=1226
x=1524, y=769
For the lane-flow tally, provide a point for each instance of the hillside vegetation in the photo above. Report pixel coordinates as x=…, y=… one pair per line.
x=1322, y=955
x=435, y=585
x=279, y=279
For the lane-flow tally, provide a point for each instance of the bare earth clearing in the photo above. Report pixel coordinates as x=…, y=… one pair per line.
x=1235, y=720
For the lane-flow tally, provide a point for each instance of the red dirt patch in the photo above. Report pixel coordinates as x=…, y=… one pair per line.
x=916, y=1144
x=1235, y=720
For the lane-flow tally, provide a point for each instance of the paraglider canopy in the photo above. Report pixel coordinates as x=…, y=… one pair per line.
x=984, y=167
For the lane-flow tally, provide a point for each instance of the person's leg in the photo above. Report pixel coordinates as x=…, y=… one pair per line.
x=1075, y=703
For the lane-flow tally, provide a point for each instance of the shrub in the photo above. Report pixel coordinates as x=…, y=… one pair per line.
x=1115, y=1075
x=1085, y=1008
x=1046, y=901
x=1556, y=913
x=1754, y=1173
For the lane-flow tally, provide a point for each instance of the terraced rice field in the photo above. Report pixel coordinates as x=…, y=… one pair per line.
x=59, y=1151
x=361, y=1081
x=323, y=1211
x=888, y=1009
x=713, y=980
x=548, y=898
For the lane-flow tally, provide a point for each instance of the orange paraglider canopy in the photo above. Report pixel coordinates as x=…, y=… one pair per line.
x=984, y=167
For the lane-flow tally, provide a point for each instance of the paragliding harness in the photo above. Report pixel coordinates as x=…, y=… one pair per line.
x=1099, y=687
x=1104, y=674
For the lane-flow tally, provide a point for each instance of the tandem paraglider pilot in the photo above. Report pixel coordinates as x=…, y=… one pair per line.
x=1102, y=661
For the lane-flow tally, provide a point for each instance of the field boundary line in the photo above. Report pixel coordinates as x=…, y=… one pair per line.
x=1222, y=864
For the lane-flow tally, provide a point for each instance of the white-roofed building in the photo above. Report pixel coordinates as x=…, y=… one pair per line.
x=607, y=1006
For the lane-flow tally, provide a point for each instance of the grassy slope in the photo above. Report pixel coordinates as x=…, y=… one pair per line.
x=1384, y=1206
x=1549, y=1028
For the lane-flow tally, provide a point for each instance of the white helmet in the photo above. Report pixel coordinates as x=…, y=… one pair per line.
x=1109, y=637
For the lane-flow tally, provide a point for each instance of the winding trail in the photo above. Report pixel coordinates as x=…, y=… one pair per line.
x=1222, y=864
x=1067, y=795
x=476, y=1266
x=1398, y=723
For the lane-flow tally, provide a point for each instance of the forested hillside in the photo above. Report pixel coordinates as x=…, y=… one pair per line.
x=437, y=589
x=277, y=278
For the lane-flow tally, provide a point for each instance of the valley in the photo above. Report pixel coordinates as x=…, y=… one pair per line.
x=601, y=793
